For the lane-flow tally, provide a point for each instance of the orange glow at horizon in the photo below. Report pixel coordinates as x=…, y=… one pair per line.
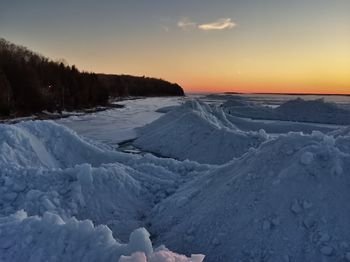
x=292, y=60
x=315, y=87
x=291, y=67
x=269, y=88
x=265, y=46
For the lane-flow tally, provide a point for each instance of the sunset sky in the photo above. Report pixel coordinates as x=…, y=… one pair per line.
x=204, y=45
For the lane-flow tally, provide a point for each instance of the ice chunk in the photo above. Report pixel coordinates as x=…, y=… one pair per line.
x=139, y=241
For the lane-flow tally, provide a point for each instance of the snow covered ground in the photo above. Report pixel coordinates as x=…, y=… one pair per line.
x=197, y=132
x=117, y=125
x=203, y=133
x=55, y=186
x=230, y=188
x=316, y=111
x=285, y=201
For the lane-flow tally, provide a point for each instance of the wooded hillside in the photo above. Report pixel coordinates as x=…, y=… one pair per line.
x=30, y=82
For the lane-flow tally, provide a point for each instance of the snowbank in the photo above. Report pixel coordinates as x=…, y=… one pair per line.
x=317, y=111
x=203, y=133
x=198, y=132
x=102, y=194
x=118, y=125
x=48, y=145
x=274, y=198
x=277, y=126
x=47, y=167
x=57, y=177
x=51, y=238
x=235, y=101
x=313, y=111
x=285, y=201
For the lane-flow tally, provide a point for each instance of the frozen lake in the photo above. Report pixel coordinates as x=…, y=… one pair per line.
x=117, y=125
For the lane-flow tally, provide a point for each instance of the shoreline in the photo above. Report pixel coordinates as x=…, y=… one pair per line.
x=46, y=115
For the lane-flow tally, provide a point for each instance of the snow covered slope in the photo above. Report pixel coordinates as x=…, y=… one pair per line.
x=197, y=132
x=57, y=177
x=317, y=111
x=278, y=196
x=277, y=126
x=51, y=238
x=46, y=144
x=205, y=134
x=285, y=201
x=117, y=125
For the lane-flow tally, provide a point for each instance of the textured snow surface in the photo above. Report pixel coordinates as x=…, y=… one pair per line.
x=58, y=178
x=51, y=238
x=198, y=132
x=117, y=125
x=203, y=133
x=272, y=195
x=285, y=201
x=317, y=111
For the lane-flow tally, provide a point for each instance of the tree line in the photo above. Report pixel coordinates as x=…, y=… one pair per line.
x=30, y=83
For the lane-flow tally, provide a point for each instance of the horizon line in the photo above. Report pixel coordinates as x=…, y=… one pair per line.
x=267, y=93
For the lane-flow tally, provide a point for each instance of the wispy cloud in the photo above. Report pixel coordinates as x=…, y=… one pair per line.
x=186, y=24
x=221, y=24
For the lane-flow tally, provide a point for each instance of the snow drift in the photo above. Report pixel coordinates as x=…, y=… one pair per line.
x=285, y=201
x=58, y=178
x=51, y=238
x=317, y=111
x=276, y=197
x=278, y=127
x=206, y=134
x=48, y=145
x=198, y=132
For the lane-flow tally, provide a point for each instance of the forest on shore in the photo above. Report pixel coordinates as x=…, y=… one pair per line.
x=30, y=83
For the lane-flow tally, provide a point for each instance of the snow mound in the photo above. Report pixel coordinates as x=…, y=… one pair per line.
x=166, y=109
x=48, y=168
x=285, y=201
x=274, y=198
x=317, y=111
x=234, y=101
x=55, y=176
x=342, y=138
x=193, y=130
x=46, y=144
x=101, y=194
x=278, y=127
x=51, y=238
x=314, y=111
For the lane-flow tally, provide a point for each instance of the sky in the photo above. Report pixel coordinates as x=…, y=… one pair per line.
x=283, y=46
